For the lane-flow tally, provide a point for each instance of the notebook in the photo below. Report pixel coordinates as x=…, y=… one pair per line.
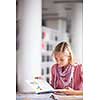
x=40, y=86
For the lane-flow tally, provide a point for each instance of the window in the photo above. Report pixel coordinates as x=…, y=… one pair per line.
x=47, y=71
x=47, y=79
x=42, y=72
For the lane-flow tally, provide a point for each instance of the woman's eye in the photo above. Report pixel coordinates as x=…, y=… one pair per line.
x=61, y=60
x=56, y=59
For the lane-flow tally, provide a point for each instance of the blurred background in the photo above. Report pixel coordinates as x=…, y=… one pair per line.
x=40, y=25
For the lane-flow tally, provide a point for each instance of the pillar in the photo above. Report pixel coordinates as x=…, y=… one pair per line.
x=76, y=31
x=29, y=51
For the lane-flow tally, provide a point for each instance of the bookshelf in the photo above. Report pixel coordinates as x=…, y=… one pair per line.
x=50, y=38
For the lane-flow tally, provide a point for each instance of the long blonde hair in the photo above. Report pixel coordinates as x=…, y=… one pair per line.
x=62, y=47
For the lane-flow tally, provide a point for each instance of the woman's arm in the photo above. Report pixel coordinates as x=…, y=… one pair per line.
x=78, y=92
x=71, y=91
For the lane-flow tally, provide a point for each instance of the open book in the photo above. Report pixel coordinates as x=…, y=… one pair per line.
x=41, y=86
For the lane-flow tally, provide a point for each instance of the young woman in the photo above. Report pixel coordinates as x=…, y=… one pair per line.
x=66, y=74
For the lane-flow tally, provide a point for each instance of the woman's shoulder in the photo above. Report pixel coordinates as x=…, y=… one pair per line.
x=78, y=67
x=54, y=66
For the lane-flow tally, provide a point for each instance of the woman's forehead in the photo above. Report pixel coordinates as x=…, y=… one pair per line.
x=61, y=54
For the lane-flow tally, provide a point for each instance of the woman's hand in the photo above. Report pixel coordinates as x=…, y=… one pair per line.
x=68, y=91
x=71, y=91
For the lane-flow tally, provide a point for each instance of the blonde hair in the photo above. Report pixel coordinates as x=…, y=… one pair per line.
x=62, y=47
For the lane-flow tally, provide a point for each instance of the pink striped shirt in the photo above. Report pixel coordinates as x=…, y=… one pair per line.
x=72, y=77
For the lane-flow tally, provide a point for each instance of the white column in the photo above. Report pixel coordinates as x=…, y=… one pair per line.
x=29, y=52
x=62, y=25
x=59, y=24
x=52, y=23
x=76, y=32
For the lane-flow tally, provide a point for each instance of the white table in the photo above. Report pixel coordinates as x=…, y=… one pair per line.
x=46, y=97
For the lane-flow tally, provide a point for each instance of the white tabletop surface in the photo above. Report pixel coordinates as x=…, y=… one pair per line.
x=46, y=97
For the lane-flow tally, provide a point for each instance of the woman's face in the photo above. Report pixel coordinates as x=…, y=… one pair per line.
x=61, y=58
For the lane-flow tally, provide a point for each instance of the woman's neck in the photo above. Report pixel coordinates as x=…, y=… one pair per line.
x=64, y=67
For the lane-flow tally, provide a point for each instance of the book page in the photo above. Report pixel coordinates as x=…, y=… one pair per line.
x=40, y=85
